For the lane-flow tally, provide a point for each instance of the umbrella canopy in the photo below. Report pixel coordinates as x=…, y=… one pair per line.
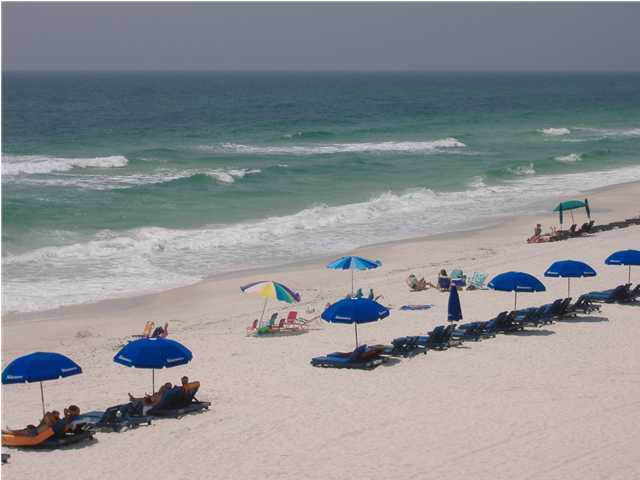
x=354, y=263
x=516, y=282
x=454, y=311
x=624, y=257
x=572, y=205
x=269, y=289
x=569, y=269
x=153, y=353
x=275, y=290
x=355, y=310
x=39, y=367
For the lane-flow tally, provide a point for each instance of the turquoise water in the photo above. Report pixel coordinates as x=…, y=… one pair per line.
x=128, y=183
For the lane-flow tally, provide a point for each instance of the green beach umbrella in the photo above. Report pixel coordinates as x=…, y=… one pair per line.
x=571, y=205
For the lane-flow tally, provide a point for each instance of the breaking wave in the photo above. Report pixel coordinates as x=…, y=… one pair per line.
x=153, y=258
x=327, y=149
x=41, y=164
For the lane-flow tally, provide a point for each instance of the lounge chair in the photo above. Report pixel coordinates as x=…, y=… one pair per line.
x=582, y=305
x=127, y=415
x=619, y=294
x=176, y=403
x=440, y=338
x=361, y=358
x=46, y=439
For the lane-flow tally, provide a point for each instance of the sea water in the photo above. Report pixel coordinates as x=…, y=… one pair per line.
x=116, y=184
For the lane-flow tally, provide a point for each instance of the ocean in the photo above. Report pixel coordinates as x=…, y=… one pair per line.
x=116, y=184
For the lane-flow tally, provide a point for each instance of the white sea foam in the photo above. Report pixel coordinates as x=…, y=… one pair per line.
x=571, y=158
x=41, y=164
x=320, y=149
x=609, y=132
x=112, y=182
x=149, y=259
x=521, y=170
x=555, y=132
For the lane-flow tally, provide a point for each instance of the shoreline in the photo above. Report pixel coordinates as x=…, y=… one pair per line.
x=497, y=222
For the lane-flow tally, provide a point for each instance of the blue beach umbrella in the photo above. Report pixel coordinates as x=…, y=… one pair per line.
x=355, y=310
x=624, y=257
x=354, y=263
x=454, y=311
x=516, y=282
x=153, y=353
x=569, y=269
x=39, y=367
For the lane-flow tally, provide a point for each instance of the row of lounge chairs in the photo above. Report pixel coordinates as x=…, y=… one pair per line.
x=443, y=337
x=590, y=227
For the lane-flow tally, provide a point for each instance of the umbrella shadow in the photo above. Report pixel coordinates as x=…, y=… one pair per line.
x=390, y=361
x=292, y=333
x=587, y=319
x=74, y=446
x=534, y=333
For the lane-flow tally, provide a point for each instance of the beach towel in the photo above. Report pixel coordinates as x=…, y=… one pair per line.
x=416, y=307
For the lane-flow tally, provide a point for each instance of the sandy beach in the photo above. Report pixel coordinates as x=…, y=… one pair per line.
x=557, y=402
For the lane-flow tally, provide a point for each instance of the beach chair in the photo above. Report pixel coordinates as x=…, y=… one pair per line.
x=582, y=305
x=458, y=278
x=45, y=439
x=444, y=283
x=114, y=419
x=252, y=328
x=291, y=322
x=176, y=403
x=618, y=294
x=477, y=281
x=361, y=358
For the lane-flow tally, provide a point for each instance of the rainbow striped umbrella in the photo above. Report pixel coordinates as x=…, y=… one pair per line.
x=269, y=289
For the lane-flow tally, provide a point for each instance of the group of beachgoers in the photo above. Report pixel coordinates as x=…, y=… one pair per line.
x=573, y=231
x=54, y=426
x=158, y=332
x=446, y=280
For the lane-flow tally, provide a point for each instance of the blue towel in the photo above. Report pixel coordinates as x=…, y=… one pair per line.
x=415, y=307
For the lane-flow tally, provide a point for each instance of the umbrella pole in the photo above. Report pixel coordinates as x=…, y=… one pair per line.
x=352, y=286
x=568, y=286
x=515, y=299
x=42, y=397
x=153, y=381
x=264, y=307
x=629, y=273
x=355, y=325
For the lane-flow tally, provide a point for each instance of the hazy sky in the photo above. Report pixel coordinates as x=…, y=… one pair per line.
x=316, y=36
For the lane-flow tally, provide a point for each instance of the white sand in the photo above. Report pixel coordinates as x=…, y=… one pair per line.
x=562, y=401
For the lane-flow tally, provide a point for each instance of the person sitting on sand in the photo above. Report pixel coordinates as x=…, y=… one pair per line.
x=444, y=281
x=418, y=285
x=537, y=232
